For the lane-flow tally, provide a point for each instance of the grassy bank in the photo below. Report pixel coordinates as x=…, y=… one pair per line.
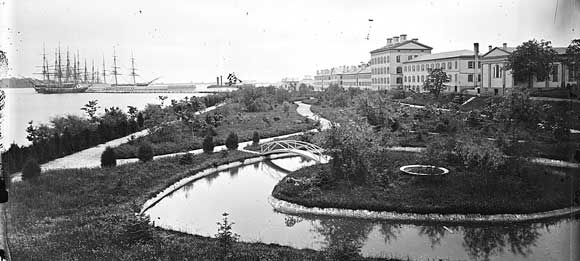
x=460, y=192
x=88, y=214
x=178, y=138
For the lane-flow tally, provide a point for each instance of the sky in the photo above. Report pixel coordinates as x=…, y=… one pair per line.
x=264, y=40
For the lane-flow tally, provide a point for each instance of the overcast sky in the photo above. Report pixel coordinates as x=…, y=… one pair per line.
x=183, y=41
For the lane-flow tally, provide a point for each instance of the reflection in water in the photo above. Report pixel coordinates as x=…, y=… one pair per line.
x=481, y=243
x=243, y=193
x=434, y=232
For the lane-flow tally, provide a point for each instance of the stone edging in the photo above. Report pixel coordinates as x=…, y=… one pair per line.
x=292, y=208
x=204, y=173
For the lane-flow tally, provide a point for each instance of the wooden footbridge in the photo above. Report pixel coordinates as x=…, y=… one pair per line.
x=301, y=148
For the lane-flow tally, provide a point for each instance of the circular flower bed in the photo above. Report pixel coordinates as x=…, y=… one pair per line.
x=424, y=170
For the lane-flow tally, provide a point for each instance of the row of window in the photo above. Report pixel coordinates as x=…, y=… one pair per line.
x=386, y=59
x=380, y=70
x=381, y=80
x=452, y=78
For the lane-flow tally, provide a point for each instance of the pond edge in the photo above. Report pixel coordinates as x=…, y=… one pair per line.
x=206, y=172
x=297, y=209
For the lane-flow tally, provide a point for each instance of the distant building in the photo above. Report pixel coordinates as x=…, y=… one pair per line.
x=459, y=65
x=498, y=81
x=357, y=77
x=387, y=62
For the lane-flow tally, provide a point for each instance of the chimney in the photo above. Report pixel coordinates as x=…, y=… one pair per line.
x=396, y=39
x=389, y=41
x=476, y=49
x=415, y=39
x=489, y=47
x=403, y=37
x=504, y=46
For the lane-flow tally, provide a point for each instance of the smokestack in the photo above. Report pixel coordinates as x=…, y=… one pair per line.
x=504, y=46
x=403, y=37
x=489, y=47
x=221, y=81
x=395, y=39
x=218, y=80
x=389, y=41
x=476, y=65
x=476, y=49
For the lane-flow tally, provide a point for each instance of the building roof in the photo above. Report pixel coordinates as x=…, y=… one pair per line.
x=399, y=45
x=509, y=50
x=441, y=56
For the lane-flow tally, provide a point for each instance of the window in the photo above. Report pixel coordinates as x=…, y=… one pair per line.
x=405, y=68
x=456, y=65
x=422, y=67
x=405, y=77
x=432, y=66
x=398, y=58
x=413, y=67
x=449, y=65
x=387, y=69
x=455, y=77
x=388, y=80
x=478, y=64
x=415, y=56
x=399, y=69
x=555, y=73
x=388, y=58
x=443, y=66
x=422, y=78
x=399, y=80
x=470, y=77
x=478, y=77
x=410, y=57
x=470, y=65
x=413, y=78
x=438, y=66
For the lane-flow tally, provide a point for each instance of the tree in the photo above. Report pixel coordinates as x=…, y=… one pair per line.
x=187, y=110
x=573, y=58
x=162, y=99
x=208, y=144
x=91, y=109
x=435, y=82
x=226, y=238
x=109, y=158
x=286, y=107
x=145, y=152
x=531, y=58
x=31, y=169
x=256, y=137
x=232, y=141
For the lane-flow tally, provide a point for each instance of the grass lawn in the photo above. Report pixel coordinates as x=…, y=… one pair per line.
x=460, y=192
x=88, y=214
x=179, y=137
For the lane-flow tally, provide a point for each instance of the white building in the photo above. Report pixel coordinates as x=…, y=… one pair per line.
x=459, y=65
x=387, y=61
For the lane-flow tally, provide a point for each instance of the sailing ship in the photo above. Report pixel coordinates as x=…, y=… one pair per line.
x=132, y=73
x=62, y=79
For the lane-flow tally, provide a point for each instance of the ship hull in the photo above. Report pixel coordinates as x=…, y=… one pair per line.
x=64, y=88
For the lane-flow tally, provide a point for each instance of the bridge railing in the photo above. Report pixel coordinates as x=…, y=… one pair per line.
x=289, y=145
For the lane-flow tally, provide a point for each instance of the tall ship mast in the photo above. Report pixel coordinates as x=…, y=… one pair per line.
x=132, y=73
x=59, y=83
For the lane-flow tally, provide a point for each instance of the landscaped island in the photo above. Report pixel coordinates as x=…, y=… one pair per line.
x=487, y=152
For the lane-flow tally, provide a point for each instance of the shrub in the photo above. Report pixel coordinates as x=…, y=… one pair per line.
x=186, y=159
x=145, y=152
x=232, y=141
x=31, y=169
x=208, y=144
x=255, y=137
x=226, y=238
x=108, y=158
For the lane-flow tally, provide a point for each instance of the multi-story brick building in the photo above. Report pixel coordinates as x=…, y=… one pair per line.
x=387, y=61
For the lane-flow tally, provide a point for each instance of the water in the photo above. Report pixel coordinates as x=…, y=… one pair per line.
x=24, y=105
x=242, y=192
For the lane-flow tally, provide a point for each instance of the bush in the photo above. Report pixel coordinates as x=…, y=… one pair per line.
x=226, y=238
x=108, y=158
x=232, y=141
x=255, y=137
x=31, y=169
x=186, y=159
x=145, y=152
x=208, y=144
